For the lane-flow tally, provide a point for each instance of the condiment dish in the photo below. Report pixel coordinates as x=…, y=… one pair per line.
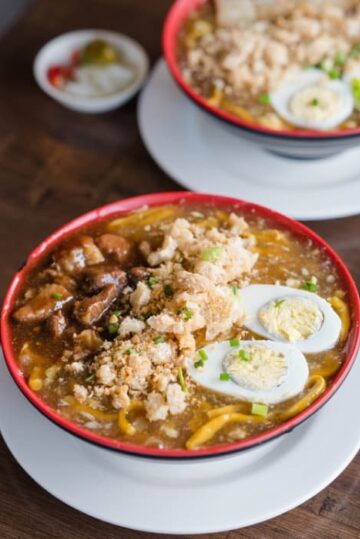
x=60, y=49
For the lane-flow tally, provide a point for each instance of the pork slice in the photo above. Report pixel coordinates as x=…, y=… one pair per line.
x=57, y=324
x=50, y=298
x=139, y=273
x=119, y=248
x=96, y=277
x=79, y=253
x=90, y=310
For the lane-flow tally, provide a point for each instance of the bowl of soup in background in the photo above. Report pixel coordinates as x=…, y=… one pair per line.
x=295, y=143
x=124, y=207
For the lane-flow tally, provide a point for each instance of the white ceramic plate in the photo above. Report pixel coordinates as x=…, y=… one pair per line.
x=183, y=498
x=202, y=155
x=58, y=51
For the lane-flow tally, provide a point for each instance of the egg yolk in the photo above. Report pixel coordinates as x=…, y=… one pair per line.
x=256, y=367
x=292, y=318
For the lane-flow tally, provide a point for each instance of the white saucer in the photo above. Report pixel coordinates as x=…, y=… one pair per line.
x=198, y=152
x=183, y=498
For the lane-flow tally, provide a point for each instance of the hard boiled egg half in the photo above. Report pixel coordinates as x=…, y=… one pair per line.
x=286, y=314
x=311, y=100
x=255, y=371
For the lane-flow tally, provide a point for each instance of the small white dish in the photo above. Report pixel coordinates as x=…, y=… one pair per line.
x=183, y=497
x=202, y=155
x=58, y=51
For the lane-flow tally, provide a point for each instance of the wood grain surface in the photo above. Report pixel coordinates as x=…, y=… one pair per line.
x=56, y=164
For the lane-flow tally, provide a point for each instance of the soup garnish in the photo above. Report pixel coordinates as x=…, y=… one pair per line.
x=150, y=327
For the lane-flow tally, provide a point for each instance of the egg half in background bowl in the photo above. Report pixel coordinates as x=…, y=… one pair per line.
x=310, y=111
x=269, y=368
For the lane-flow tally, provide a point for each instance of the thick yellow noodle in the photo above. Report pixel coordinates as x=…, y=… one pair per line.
x=343, y=311
x=316, y=385
x=209, y=429
x=124, y=425
x=98, y=414
x=229, y=414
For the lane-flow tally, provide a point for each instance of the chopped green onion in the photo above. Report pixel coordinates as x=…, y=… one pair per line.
x=320, y=65
x=168, y=291
x=224, y=376
x=236, y=293
x=234, y=342
x=159, y=339
x=279, y=302
x=334, y=74
x=244, y=355
x=310, y=285
x=113, y=328
x=152, y=281
x=314, y=102
x=355, y=50
x=199, y=363
x=259, y=409
x=264, y=99
x=186, y=313
x=129, y=351
x=90, y=378
x=212, y=253
x=340, y=59
x=203, y=355
x=117, y=313
x=181, y=380
x=56, y=295
x=355, y=86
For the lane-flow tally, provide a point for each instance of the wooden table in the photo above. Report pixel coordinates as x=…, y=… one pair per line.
x=54, y=165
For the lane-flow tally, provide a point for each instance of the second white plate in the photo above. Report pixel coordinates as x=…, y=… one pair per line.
x=198, y=152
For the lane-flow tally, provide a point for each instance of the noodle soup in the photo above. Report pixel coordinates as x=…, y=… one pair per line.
x=292, y=65
x=181, y=327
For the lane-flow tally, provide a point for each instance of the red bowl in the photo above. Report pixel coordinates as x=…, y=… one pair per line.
x=159, y=199
x=293, y=143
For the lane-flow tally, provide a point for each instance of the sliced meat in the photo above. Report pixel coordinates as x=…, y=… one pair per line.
x=139, y=273
x=100, y=275
x=119, y=248
x=81, y=252
x=90, y=310
x=57, y=324
x=50, y=298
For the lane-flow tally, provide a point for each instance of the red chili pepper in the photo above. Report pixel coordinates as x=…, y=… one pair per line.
x=58, y=75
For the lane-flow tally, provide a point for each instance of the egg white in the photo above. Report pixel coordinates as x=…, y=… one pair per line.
x=297, y=80
x=293, y=382
x=257, y=295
